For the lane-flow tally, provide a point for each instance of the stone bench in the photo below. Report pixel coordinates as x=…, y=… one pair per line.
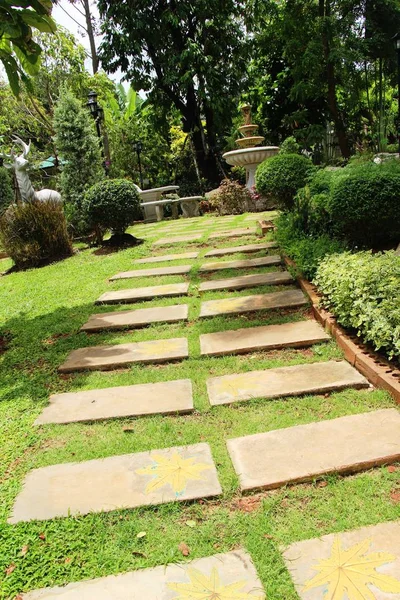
x=189, y=205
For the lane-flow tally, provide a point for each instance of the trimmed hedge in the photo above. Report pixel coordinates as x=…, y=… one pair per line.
x=279, y=178
x=363, y=292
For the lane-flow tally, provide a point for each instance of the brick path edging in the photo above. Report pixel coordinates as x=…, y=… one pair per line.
x=374, y=367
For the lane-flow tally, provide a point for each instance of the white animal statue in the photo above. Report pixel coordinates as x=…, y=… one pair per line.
x=20, y=165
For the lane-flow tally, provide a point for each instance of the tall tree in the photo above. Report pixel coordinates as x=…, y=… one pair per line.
x=187, y=54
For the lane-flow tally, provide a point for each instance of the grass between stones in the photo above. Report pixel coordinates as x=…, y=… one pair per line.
x=42, y=311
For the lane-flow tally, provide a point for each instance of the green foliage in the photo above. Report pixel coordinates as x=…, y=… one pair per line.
x=6, y=191
x=365, y=204
x=78, y=144
x=290, y=146
x=306, y=250
x=279, y=178
x=231, y=198
x=112, y=204
x=363, y=292
x=19, y=53
x=35, y=232
x=393, y=148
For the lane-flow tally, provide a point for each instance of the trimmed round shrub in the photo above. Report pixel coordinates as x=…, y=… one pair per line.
x=365, y=204
x=112, y=204
x=6, y=191
x=231, y=198
x=279, y=178
x=34, y=233
x=289, y=146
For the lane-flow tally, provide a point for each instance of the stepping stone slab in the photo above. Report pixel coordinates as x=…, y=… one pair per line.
x=231, y=306
x=284, y=381
x=247, y=281
x=359, y=564
x=268, y=337
x=166, y=258
x=230, y=575
x=159, y=271
x=247, y=263
x=145, y=293
x=178, y=239
x=306, y=452
x=118, y=482
x=233, y=233
x=242, y=249
x=127, y=401
x=141, y=317
x=105, y=358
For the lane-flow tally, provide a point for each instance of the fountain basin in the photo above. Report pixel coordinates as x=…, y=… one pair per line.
x=250, y=158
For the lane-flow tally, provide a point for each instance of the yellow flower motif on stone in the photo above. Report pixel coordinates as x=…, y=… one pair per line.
x=202, y=587
x=174, y=471
x=349, y=573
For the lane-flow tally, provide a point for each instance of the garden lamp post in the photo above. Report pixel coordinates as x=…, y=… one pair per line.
x=98, y=115
x=396, y=41
x=138, y=146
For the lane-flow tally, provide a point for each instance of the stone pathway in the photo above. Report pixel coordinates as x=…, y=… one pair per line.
x=233, y=233
x=268, y=337
x=141, y=317
x=166, y=258
x=363, y=563
x=306, y=452
x=216, y=577
x=169, y=397
x=179, y=239
x=157, y=272
x=243, y=304
x=317, y=378
x=145, y=293
x=247, y=281
x=118, y=482
x=105, y=358
x=246, y=263
x=241, y=249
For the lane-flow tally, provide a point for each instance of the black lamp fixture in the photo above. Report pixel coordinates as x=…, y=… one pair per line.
x=98, y=114
x=396, y=42
x=138, y=147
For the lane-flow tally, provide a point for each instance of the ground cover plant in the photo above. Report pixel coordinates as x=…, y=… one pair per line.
x=41, y=312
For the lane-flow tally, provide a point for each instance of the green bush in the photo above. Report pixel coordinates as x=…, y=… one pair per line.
x=305, y=249
x=393, y=148
x=364, y=204
x=279, y=178
x=112, y=204
x=289, y=146
x=6, y=191
x=231, y=198
x=34, y=233
x=363, y=292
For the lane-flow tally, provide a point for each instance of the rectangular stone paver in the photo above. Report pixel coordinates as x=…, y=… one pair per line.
x=267, y=337
x=144, y=293
x=233, y=233
x=246, y=263
x=105, y=358
x=178, y=239
x=241, y=249
x=247, y=281
x=284, y=381
x=306, y=452
x=207, y=578
x=125, y=401
x=133, y=319
x=242, y=304
x=362, y=564
x=166, y=258
x=157, y=272
x=117, y=482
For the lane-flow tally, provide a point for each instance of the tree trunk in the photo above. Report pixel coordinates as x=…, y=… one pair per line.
x=325, y=13
x=90, y=32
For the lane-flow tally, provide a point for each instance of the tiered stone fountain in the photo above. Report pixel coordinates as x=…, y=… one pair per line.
x=250, y=155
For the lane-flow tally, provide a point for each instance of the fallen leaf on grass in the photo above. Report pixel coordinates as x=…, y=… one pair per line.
x=135, y=553
x=67, y=560
x=128, y=429
x=391, y=469
x=10, y=569
x=184, y=549
x=322, y=484
x=141, y=534
x=191, y=524
x=24, y=550
x=395, y=496
x=42, y=536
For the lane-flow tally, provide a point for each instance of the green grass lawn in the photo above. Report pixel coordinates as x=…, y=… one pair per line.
x=41, y=313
